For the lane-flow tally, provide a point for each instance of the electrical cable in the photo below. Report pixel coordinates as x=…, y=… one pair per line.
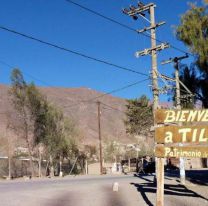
x=27, y=74
x=124, y=25
x=112, y=108
x=107, y=93
x=79, y=102
x=71, y=51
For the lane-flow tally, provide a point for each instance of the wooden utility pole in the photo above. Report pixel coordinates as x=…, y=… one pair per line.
x=7, y=134
x=9, y=154
x=39, y=162
x=140, y=12
x=100, y=139
x=159, y=161
x=176, y=61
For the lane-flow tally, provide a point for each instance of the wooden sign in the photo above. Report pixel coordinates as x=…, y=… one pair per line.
x=185, y=134
x=191, y=152
x=171, y=116
x=178, y=134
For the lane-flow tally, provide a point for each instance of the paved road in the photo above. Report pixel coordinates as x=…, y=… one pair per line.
x=97, y=191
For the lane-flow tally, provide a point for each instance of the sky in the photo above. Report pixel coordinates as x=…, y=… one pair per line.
x=69, y=26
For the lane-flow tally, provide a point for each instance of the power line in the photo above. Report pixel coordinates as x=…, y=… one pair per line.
x=107, y=93
x=100, y=15
x=123, y=25
x=87, y=101
x=71, y=51
x=26, y=73
x=47, y=84
x=122, y=88
x=112, y=108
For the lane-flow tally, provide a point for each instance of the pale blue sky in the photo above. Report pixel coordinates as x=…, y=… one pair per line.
x=64, y=24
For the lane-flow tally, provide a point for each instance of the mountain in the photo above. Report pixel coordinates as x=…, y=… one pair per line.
x=83, y=113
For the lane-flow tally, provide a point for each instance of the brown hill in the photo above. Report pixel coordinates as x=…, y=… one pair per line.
x=83, y=113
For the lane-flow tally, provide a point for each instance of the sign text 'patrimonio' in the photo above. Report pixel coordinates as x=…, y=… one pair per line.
x=190, y=152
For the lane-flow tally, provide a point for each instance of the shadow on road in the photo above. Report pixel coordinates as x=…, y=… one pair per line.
x=108, y=198
x=199, y=177
x=63, y=200
x=113, y=198
x=176, y=190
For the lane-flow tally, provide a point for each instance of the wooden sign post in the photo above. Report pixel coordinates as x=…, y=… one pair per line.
x=168, y=138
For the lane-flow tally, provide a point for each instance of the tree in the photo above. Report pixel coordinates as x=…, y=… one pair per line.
x=91, y=153
x=194, y=33
x=112, y=151
x=139, y=116
x=40, y=122
x=19, y=99
x=190, y=79
x=57, y=134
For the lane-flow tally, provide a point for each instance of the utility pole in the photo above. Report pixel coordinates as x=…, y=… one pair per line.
x=176, y=61
x=141, y=11
x=100, y=139
x=39, y=161
x=7, y=134
x=9, y=154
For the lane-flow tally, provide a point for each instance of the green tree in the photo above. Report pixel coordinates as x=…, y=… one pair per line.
x=40, y=122
x=18, y=92
x=57, y=134
x=194, y=33
x=30, y=106
x=139, y=116
x=190, y=79
x=91, y=152
x=112, y=151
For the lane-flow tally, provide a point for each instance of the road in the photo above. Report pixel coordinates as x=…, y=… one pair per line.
x=97, y=191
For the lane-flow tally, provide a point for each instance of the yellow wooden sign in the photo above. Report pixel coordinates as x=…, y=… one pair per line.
x=190, y=152
x=171, y=116
x=185, y=134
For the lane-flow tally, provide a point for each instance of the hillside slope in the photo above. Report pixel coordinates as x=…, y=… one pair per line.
x=84, y=114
